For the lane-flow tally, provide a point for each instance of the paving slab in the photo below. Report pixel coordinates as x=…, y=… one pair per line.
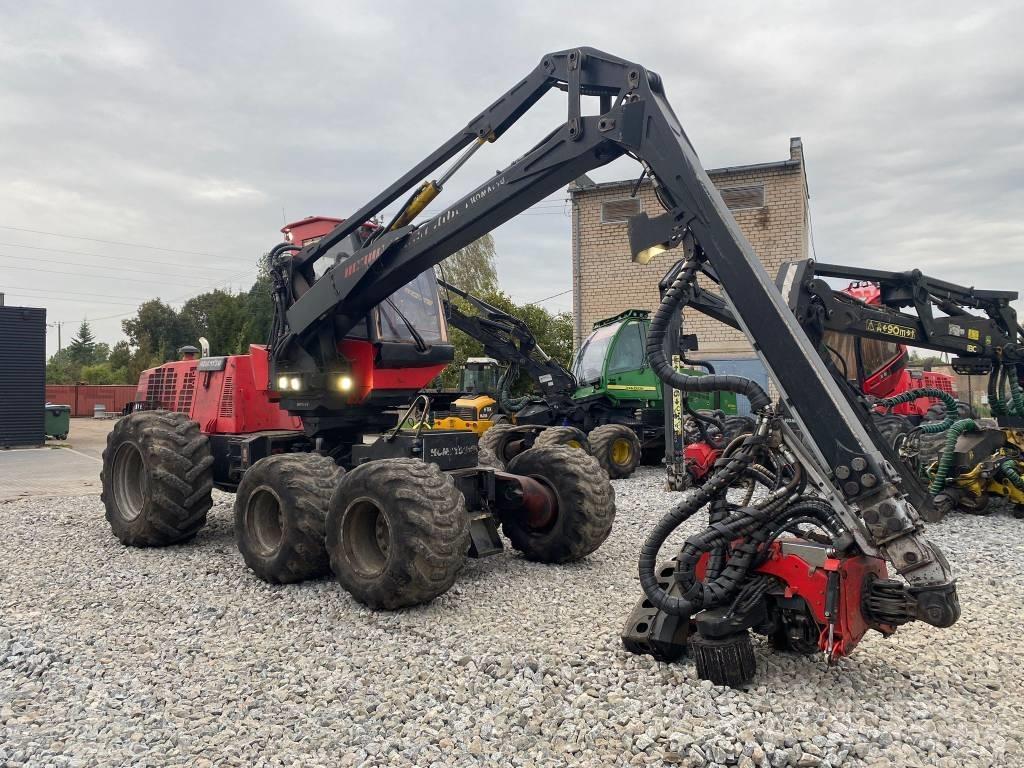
x=63, y=468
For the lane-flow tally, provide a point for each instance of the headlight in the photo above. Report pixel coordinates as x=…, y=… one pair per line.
x=282, y=383
x=295, y=383
x=345, y=383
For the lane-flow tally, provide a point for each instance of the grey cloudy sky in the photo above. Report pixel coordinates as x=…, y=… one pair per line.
x=196, y=127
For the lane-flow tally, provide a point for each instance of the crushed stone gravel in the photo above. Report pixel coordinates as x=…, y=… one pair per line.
x=118, y=656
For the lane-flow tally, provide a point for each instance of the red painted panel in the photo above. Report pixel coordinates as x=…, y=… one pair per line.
x=84, y=397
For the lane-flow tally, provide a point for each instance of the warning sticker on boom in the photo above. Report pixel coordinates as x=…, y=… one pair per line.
x=891, y=329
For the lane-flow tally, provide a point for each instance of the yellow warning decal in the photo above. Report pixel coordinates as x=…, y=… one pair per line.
x=632, y=388
x=973, y=333
x=891, y=329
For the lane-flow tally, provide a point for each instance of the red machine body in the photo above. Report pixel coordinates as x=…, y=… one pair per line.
x=881, y=366
x=700, y=458
x=809, y=581
x=230, y=399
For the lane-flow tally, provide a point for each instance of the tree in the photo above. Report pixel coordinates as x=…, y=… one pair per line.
x=157, y=331
x=82, y=348
x=472, y=268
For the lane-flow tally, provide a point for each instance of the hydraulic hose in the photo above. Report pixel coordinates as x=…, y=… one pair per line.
x=1009, y=469
x=714, y=487
x=931, y=427
x=945, y=463
x=507, y=403
x=676, y=297
x=995, y=398
x=1016, y=396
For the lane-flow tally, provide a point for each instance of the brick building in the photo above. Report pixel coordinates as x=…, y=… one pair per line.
x=769, y=200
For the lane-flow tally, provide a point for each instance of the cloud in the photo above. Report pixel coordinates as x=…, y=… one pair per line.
x=203, y=127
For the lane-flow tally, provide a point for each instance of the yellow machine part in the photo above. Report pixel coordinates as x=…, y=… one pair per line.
x=481, y=404
x=979, y=480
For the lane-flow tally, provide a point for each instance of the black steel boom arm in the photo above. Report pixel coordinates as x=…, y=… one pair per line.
x=635, y=119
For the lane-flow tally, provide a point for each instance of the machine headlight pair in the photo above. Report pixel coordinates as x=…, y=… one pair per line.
x=342, y=382
x=285, y=383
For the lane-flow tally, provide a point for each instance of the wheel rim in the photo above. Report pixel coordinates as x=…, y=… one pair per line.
x=263, y=521
x=366, y=537
x=622, y=452
x=131, y=483
x=541, y=508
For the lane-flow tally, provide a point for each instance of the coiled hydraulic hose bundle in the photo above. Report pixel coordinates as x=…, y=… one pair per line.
x=1009, y=470
x=727, y=570
x=506, y=381
x=1002, y=377
x=672, y=303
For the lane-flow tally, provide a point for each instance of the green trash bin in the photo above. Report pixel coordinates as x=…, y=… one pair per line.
x=58, y=421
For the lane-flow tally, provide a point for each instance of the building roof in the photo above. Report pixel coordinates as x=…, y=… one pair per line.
x=585, y=184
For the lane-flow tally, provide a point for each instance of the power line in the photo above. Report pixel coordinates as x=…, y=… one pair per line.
x=111, y=242
x=134, y=259
x=46, y=293
x=175, y=300
x=106, y=275
x=553, y=296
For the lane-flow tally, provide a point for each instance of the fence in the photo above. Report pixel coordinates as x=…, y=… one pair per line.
x=84, y=397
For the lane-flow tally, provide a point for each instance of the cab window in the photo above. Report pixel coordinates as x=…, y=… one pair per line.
x=590, y=359
x=628, y=350
x=419, y=303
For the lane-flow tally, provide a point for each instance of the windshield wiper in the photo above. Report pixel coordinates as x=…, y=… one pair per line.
x=421, y=345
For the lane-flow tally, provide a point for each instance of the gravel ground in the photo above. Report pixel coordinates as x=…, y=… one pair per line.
x=114, y=656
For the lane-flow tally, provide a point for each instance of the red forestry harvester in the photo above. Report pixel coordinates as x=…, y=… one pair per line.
x=395, y=516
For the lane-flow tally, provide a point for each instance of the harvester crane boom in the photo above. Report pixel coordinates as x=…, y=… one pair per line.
x=635, y=119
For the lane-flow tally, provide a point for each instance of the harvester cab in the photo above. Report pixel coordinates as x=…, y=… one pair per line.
x=479, y=376
x=612, y=362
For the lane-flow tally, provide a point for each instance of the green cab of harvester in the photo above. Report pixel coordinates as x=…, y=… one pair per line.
x=612, y=362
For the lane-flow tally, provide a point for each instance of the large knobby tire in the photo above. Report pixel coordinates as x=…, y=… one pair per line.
x=891, y=425
x=280, y=513
x=497, y=441
x=585, y=499
x=734, y=426
x=486, y=458
x=570, y=437
x=157, y=478
x=616, y=448
x=397, y=532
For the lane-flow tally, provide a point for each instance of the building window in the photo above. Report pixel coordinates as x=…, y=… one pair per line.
x=619, y=211
x=737, y=198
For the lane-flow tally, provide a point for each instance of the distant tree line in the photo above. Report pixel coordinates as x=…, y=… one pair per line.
x=232, y=321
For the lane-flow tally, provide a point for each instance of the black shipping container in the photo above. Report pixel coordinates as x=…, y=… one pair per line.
x=22, y=376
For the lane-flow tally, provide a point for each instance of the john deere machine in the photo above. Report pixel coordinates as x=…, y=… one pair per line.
x=353, y=341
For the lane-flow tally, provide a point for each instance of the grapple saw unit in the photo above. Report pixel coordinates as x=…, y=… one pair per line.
x=358, y=329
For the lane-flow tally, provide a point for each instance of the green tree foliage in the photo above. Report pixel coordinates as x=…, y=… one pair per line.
x=472, y=268
x=83, y=360
x=82, y=349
